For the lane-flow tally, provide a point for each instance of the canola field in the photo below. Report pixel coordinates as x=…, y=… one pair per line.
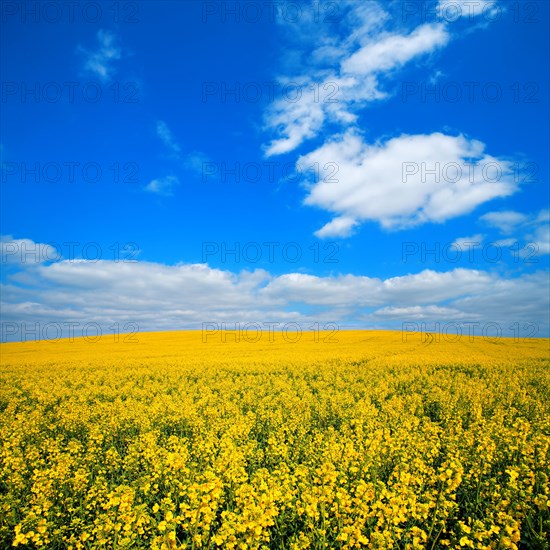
x=367, y=442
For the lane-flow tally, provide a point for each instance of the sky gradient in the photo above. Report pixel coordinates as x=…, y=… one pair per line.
x=366, y=164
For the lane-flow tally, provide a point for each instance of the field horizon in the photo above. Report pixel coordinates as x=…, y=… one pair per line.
x=274, y=338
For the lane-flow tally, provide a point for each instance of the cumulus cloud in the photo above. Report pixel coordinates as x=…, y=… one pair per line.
x=19, y=252
x=156, y=296
x=387, y=182
x=405, y=181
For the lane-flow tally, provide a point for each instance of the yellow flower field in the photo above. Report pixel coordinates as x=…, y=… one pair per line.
x=367, y=442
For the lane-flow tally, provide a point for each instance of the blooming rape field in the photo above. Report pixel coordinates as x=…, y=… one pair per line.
x=368, y=442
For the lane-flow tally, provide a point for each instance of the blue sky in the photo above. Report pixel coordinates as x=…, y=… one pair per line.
x=369, y=164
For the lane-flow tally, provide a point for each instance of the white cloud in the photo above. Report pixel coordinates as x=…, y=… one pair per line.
x=297, y=121
x=506, y=220
x=163, y=186
x=505, y=243
x=361, y=291
x=100, y=62
x=390, y=182
x=467, y=242
x=338, y=227
x=543, y=216
x=540, y=238
x=162, y=297
x=369, y=184
x=420, y=313
x=25, y=251
x=436, y=77
x=347, y=76
x=164, y=133
x=393, y=50
x=532, y=230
